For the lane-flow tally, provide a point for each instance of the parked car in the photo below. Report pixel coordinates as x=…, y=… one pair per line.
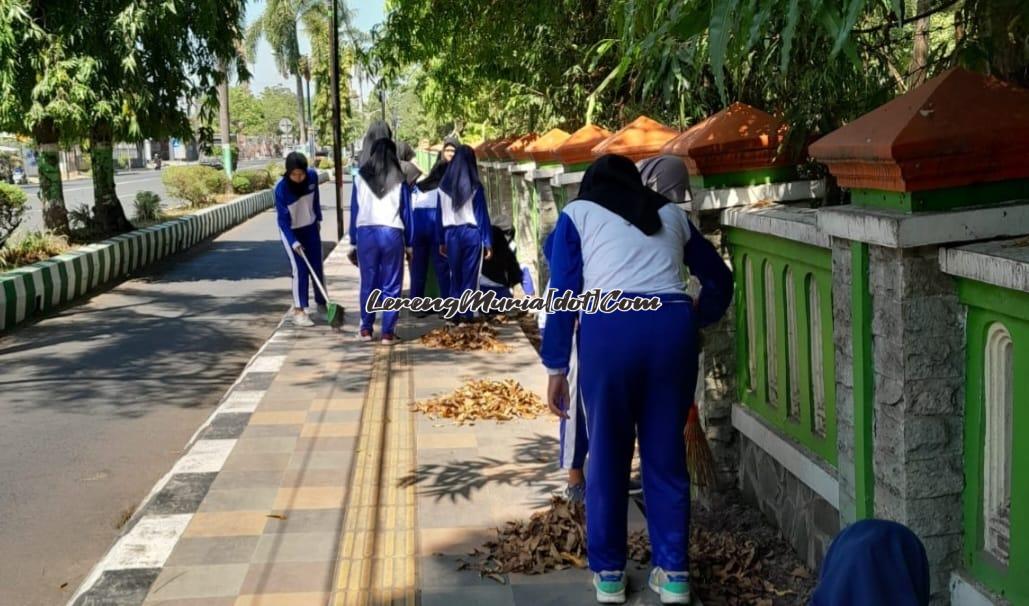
x=211, y=162
x=18, y=176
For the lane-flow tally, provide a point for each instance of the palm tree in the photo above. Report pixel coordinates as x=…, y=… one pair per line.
x=278, y=26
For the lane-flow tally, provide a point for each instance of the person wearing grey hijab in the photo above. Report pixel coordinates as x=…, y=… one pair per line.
x=668, y=176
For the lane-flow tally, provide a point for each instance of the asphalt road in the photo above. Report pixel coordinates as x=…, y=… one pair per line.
x=128, y=184
x=98, y=401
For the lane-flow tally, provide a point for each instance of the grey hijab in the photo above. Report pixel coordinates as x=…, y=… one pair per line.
x=668, y=176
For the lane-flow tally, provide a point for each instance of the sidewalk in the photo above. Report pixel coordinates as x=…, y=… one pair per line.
x=314, y=483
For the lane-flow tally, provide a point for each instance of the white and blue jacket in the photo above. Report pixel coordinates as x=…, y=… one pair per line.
x=392, y=210
x=424, y=207
x=296, y=212
x=595, y=249
x=475, y=214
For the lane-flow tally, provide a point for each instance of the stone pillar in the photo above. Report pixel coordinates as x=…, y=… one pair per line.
x=525, y=216
x=546, y=217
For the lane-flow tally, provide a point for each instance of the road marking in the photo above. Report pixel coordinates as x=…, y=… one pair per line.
x=206, y=456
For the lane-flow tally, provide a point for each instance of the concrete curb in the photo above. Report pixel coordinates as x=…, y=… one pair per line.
x=35, y=289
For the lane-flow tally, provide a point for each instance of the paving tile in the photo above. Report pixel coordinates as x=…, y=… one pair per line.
x=257, y=445
x=197, y=551
x=445, y=513
x=208, y=581
x=289, y=577
x=256, y=381
x=498, y=595
x=282, y=403
x=227, y=524
x=452, y=541
x=308, y=520
x=283, y=599
x=325, y=443
x=315, y=477
x=278, y=417
x=257, y=461
x=557, y=594
x=194, y=602
x=334, y=416
x=442, y=571
x=226, y=425
x=240, y=499
x=329, y=430
x=310, y=497
x=120, y=588
x=567, y=576
x=183, y=493
x=271, y=431
x=338, y=403
x=339, y=460
x=297, y=547
x=448, y=440
x=232, y=480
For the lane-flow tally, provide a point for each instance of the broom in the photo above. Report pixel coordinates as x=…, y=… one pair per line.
x=333, y=312
x=699, y=460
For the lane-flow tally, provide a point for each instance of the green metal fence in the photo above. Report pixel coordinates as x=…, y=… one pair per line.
x=996, y=496
x=785, y=352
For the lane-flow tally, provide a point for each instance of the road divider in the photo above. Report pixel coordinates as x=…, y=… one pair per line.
x=28, y=291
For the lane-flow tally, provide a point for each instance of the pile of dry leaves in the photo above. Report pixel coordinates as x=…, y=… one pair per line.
x=735, y=558
x=553, y=539
x=467, y=337
x=485, y=399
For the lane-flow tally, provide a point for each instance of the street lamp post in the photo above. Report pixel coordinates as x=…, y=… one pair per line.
x=337, y=135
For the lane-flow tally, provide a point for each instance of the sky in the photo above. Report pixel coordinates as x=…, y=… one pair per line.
x=265, y=74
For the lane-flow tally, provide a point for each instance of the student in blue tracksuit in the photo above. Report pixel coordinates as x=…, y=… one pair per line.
x=637, y=370
x=380, y=219
x=462, y=224
x=299, y=211
x=424, y=245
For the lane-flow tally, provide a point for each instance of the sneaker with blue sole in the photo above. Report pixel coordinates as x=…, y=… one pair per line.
x=610, y=586
x=672, y=587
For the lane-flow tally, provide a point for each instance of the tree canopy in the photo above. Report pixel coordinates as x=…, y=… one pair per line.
x=515, y=66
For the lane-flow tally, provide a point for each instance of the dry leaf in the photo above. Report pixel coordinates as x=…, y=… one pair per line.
x=277, y=516
x=485, y=400
x=468, y=337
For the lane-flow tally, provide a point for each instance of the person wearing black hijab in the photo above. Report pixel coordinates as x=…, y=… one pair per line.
x=405, y=153
x=299, y=213
x=463, y=224
x=377, y=130
x=380, y=220
x=637, y=370
x=425, y=246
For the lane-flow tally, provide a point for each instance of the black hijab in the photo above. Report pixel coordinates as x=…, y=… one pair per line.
x=668, y=176
x=462, y=177
x=378, y=130
x=294, y=161
x=382, y=171
x=613, y=182
x=431, y=180
x=406, y=154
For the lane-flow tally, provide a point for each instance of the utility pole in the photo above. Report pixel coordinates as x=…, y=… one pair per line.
x=337, y=135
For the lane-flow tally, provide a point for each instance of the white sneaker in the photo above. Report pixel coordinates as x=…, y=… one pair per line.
x=610, y=586
x=300, y=318
x=673, y=587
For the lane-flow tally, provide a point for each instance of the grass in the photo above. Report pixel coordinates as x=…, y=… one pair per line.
x=31, y=247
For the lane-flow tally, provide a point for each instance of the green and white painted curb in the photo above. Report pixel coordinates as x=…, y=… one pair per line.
x=28, y=291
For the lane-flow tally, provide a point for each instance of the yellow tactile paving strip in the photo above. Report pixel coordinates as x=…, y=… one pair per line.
x=377, y=550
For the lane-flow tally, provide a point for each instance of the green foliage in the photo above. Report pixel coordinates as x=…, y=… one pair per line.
x=241, y=185
x=278, y=102
x=197, y=185
x=247, y=112
x=13, y=204
x=148, y=206
x=31, y=247
x=276, y=169
x=258, y=178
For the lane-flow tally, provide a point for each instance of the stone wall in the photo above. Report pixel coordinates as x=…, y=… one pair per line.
x=843, y=341
x=807, y=521
x=918, y=344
